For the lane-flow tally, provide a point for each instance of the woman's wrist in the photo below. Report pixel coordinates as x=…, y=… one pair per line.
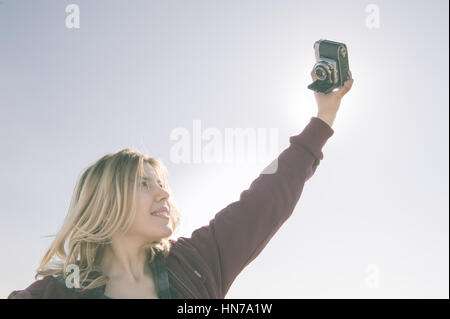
x=327, y=118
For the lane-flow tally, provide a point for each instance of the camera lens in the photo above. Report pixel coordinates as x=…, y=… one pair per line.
x=321, y=73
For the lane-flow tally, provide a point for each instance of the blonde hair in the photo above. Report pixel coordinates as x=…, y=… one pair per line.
x=103, y=205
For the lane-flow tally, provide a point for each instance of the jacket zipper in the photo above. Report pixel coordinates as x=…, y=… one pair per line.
x=182, y=283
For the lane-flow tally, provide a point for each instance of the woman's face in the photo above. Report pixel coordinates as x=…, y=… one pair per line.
x=151, y=196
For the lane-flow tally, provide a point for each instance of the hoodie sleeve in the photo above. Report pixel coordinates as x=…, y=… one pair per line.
x=239, y=232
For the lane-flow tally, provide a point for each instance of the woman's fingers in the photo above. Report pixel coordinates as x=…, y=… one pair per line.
x=342, y=90
x=313, y=75
x=346, y=87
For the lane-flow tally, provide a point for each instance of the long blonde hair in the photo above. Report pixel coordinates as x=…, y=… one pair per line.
x=103, y=204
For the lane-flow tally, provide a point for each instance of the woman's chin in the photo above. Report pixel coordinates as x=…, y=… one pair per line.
x=164, y=233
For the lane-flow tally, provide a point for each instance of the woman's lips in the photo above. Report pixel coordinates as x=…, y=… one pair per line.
x=161, y=215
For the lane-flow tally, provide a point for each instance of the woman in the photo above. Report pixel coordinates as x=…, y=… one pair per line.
x=114, y=241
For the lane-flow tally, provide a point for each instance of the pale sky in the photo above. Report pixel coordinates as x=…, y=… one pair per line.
x=373, y=220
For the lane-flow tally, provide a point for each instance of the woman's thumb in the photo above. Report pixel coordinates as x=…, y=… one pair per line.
x=346, y=87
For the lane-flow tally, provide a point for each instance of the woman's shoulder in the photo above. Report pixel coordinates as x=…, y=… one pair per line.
x=47, y=287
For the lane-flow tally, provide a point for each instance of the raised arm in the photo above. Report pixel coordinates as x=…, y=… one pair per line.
x=238, y=233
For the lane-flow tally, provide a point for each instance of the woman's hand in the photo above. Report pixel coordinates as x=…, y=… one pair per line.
x=328, y=104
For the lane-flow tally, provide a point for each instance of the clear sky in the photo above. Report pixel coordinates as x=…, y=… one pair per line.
x=373, y=220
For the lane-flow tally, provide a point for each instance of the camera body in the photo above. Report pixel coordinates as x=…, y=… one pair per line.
x=331, y=68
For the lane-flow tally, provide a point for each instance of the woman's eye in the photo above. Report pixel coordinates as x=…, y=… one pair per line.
x=146, y=185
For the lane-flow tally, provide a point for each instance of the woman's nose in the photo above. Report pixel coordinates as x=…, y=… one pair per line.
x=163, y=193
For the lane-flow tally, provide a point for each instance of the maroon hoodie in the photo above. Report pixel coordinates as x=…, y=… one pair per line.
x=206, y=264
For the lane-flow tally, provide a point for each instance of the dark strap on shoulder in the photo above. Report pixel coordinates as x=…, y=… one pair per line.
x=161, y=277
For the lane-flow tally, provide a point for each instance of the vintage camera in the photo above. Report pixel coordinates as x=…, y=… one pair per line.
x=331, y=66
